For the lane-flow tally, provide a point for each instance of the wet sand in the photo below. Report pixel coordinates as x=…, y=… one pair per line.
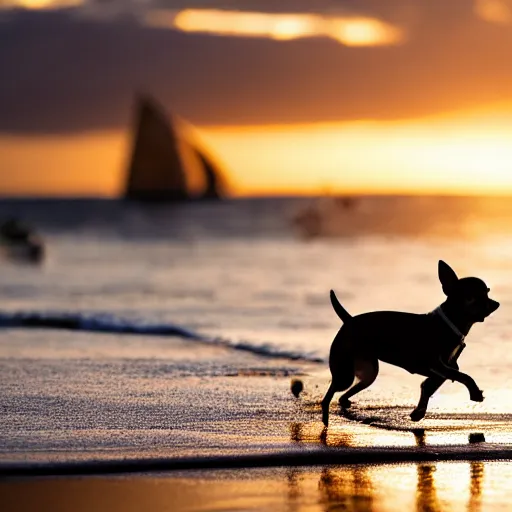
x=72, y=397
x=153, y=408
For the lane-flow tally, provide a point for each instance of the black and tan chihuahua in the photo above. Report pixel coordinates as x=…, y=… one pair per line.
x=426, y=344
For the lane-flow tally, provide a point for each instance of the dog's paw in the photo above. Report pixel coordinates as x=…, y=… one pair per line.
x=418, y=414
x=476, y=396
x=345, y=403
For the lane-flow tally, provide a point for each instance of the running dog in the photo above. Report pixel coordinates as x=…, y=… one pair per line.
x=426, y=344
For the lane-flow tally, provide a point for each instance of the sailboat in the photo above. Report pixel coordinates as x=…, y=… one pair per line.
x=167, y=163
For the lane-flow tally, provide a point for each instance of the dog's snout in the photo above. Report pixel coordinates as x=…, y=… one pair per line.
x=493, y=305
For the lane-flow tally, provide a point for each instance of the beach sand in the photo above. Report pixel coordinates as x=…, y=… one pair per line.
x=138, y=407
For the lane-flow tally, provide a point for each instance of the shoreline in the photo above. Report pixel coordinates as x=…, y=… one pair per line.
x=311, y=457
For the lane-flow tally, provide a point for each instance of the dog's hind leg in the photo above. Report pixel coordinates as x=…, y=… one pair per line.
x=339, y=383
x=366, y=371
x=326, y=402
x=428, y=388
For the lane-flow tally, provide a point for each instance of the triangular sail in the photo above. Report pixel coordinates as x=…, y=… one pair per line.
x=158, y=171
x=213, y=186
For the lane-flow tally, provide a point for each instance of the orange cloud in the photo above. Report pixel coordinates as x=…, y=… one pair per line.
x=494, y=11
x=350, y=31
x=39, y=4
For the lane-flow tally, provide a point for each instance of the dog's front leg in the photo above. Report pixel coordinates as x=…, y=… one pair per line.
x=442, y=370
x=428, y=388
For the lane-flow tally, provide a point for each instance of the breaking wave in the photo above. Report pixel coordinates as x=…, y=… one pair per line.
x=113, y=324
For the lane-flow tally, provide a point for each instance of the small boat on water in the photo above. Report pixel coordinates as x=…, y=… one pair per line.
x=20, y=242
x=321, y=217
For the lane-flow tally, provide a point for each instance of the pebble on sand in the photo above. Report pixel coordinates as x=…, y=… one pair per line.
x=297, y=386
x=476, y=437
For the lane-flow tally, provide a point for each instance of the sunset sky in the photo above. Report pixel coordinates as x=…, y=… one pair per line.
x=292, y=96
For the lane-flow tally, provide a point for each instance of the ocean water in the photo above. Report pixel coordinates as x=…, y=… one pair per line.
x=138, y=307
x=242, y=270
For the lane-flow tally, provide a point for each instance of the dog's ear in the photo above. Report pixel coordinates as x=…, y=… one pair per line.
x=447, y=276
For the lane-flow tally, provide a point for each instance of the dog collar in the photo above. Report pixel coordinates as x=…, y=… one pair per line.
x=439, y=311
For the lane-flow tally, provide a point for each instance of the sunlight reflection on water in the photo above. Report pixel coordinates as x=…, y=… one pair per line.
x=456, y=486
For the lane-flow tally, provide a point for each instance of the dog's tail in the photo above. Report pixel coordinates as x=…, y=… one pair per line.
x=344, y=315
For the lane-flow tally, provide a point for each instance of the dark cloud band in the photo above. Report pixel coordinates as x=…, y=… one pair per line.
x=62, y=72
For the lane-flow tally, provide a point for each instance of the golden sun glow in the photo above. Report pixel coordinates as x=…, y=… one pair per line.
x=350, y=31
x=458, y=155
x=469, y=155
x=79, y=165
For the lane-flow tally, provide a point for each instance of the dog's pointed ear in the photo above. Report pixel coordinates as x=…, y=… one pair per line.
x=447, y=276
